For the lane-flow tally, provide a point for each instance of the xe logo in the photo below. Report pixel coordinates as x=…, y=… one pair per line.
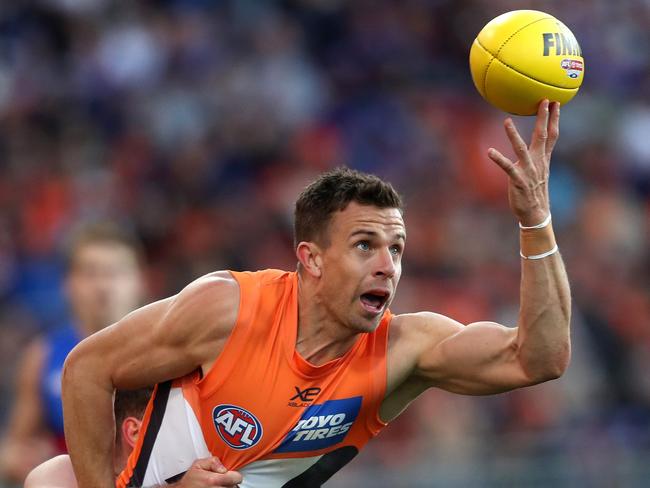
x=237, y=427
x=306, y=395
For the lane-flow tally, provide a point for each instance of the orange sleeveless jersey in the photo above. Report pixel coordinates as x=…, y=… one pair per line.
x=262, y=408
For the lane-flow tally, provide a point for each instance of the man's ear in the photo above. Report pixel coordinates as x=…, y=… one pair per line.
x=309, y=255
x=131, y=431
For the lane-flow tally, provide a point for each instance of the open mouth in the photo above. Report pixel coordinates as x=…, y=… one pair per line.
x=374, y=300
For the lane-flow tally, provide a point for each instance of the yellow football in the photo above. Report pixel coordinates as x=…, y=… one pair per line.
x=521, y=57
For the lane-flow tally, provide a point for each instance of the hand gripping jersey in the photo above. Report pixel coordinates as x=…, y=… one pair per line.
x=262, y=408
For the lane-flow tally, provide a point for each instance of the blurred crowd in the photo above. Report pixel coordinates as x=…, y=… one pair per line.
x=196, y=123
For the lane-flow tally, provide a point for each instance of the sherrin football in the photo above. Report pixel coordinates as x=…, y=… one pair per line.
x=521, y=57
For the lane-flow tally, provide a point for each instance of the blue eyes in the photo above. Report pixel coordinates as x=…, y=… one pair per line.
x=365, y=246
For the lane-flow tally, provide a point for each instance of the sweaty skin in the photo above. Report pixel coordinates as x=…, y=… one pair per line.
x=363, y=255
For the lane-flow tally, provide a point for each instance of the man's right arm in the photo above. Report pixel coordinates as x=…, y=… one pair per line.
x=161, y=341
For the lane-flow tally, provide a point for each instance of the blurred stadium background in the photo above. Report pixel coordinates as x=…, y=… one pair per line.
x=195, y=123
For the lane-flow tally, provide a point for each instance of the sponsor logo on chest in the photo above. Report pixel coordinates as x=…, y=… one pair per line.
x=322, y=426
x=238, y=428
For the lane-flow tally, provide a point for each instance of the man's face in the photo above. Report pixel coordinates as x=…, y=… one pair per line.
x=362, y=264
x=103, y=284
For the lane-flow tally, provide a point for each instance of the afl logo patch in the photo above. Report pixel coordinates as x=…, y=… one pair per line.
x=236, y=426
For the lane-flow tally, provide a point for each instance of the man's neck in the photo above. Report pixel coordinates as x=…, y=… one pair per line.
x=321, y=337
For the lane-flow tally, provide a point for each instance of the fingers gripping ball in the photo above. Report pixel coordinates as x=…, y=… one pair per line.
x=521, y=57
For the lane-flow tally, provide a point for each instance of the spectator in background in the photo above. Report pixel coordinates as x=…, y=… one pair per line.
x=103, y=283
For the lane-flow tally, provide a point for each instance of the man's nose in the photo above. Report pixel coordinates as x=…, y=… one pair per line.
x=385, y=265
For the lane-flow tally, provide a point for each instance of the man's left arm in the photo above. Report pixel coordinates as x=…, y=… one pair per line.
x=486, y=357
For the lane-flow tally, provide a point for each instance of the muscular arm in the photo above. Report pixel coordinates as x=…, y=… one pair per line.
x=161, y=341
x=486, y=357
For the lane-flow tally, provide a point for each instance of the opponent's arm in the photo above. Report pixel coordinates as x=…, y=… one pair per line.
x=208, y=472
x=486, y=357
x=161, y=341
x=53, y=473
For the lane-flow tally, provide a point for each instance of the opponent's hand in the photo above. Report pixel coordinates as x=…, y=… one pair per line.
x=528, y=176
x=209, y=472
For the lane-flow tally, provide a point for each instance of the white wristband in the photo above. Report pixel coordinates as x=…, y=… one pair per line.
x=540, y=256
x=541, y=225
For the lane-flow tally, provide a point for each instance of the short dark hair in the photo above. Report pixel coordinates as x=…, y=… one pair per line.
x=333, y=191
x=130, y=403
x=104, y=232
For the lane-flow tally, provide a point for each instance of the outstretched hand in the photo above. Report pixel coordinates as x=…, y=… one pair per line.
x=528, y=176
x=209, y=472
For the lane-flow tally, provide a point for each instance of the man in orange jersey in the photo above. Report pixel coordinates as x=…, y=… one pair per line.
x=129, y=409
x=286, y=375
